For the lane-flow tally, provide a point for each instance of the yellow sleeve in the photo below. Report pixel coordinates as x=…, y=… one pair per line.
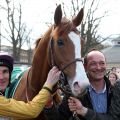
x=19, y=109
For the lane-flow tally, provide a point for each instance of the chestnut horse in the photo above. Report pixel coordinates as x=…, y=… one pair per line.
x=60, y=46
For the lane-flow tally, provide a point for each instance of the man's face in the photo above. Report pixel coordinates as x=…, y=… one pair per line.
x=96, y=65
x=4, y=78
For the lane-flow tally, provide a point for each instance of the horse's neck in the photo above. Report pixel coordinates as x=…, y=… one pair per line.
x=39, y=75
x=40, y=68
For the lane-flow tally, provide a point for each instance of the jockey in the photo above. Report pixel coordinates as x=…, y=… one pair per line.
x=19, y=109
x=6, y=67
x=22, y=110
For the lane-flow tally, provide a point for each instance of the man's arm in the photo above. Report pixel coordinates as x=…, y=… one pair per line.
x=88, y=114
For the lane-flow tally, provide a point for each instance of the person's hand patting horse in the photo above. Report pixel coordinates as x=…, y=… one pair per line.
x=53, y=77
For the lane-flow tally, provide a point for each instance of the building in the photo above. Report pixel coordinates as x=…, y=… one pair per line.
x=25, y=55
x=112, y=54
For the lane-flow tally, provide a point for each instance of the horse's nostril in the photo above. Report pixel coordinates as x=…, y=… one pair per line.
x=75, y=83
x=76, y=86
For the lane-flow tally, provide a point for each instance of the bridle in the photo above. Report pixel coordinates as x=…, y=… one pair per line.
x=62, y=83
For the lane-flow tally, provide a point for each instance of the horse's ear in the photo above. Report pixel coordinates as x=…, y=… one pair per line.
x=58, y=15
x=77, y=20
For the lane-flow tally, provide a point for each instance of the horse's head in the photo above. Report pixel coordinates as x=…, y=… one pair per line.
x=65, y=50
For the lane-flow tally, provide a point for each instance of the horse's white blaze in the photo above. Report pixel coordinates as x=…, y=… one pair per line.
x=80, y=79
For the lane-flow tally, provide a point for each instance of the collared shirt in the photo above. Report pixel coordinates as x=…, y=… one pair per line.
x=98, y=99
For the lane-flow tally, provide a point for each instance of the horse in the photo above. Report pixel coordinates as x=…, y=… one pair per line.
x=60, y=46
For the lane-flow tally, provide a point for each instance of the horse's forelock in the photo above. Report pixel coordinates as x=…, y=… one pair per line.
x=64, y=27
x=65, y=20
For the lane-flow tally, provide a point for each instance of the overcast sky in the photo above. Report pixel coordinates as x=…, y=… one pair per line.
x=35, y=12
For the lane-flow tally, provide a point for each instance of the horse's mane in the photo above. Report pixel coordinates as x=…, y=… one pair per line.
x=45, y=36
x=37, y=42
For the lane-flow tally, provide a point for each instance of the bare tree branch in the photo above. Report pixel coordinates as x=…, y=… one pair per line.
x=17, y=33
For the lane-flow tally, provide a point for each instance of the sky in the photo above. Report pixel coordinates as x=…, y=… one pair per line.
x=40, y=11
x=37, y=12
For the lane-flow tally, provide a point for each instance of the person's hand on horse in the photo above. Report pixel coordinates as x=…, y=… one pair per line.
x=75, y=106
x=53, y=76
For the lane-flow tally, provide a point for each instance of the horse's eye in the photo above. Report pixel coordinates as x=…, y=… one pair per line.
x=60, y=42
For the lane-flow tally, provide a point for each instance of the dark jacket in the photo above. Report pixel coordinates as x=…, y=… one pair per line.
x=63, y=112
x=114, y=108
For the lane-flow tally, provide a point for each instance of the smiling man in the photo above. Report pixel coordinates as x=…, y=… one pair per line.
x=95, y=65
x=97, y=95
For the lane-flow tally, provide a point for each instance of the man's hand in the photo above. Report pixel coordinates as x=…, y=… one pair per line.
x=76, y=106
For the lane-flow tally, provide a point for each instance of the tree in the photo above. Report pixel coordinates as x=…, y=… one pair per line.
x=17, y=33
x=90, y=25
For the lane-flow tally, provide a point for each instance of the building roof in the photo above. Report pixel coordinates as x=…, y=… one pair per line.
x=116, y=39
x=112, y=54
